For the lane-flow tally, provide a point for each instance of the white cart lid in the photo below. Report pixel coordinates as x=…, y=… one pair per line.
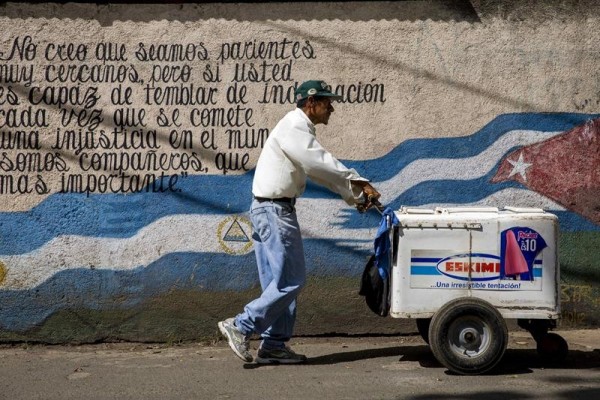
x=524, y=209
x=459, y=210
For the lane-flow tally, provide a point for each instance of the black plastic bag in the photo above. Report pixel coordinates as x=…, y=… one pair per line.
x=375, y=289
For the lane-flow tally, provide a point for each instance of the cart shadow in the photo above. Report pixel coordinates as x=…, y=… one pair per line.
x=514, y=362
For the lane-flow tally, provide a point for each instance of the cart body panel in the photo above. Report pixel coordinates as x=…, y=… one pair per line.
x=506, y=257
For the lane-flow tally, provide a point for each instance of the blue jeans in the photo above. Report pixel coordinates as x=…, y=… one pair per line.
x=281, y=270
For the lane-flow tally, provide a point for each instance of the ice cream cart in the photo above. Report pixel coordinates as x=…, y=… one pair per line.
x=461, y=272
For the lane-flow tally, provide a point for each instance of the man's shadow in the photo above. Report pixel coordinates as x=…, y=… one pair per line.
x=405, y=353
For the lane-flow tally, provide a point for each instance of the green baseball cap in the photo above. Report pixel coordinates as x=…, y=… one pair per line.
x=315, y=88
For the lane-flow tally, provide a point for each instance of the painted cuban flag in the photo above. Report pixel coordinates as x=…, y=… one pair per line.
x=118, y=251
x=564, y=168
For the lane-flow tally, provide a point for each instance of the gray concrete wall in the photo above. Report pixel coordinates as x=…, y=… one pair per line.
x=130, y=133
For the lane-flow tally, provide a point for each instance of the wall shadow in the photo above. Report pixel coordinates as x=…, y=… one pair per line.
x=362, y=10
x=108, y=12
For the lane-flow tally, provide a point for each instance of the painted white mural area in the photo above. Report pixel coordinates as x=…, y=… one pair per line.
x=129, y=136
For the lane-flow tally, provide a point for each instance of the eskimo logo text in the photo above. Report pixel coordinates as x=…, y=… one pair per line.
x=470, y=267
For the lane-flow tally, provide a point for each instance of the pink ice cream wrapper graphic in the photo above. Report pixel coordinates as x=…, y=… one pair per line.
x=515, y=262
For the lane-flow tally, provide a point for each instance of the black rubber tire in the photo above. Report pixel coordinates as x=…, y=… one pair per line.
x=423, y=328
x=552, y=348
x=468, y=336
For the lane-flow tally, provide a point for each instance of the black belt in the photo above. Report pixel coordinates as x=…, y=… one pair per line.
x=290, y=200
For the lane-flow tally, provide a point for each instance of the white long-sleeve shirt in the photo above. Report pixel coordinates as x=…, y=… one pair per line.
x=291, y=153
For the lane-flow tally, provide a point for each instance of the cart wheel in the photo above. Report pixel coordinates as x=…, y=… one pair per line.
x=552, y=348
x=468, y=336
x=423, y=328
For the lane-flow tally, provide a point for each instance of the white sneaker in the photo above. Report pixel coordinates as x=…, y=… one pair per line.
x=236, y=339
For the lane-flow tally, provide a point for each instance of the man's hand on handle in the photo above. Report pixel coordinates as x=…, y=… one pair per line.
x=371, y=196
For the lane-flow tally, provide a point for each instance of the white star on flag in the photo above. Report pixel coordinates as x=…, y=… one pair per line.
x=519, y=167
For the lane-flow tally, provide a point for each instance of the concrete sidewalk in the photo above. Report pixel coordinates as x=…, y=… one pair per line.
x=400, y=367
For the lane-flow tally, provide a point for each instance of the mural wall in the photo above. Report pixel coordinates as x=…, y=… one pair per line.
x=129, y=134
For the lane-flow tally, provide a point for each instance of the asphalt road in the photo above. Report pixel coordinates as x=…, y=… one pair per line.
x=400, y=367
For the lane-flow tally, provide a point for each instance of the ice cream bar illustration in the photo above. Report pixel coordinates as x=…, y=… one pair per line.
x=514, y=260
